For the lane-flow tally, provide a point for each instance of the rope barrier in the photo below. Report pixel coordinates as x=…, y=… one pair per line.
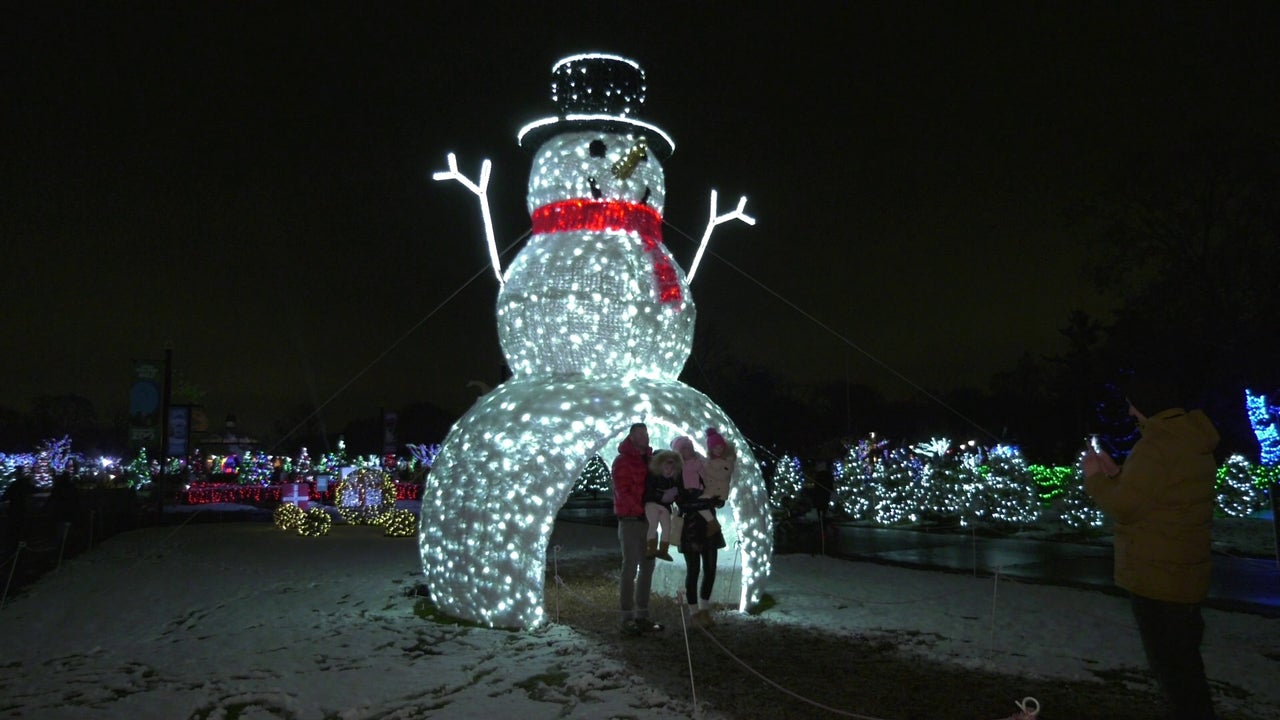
x=64, y=532
x=727, y=588
x=12, y=570
x=61, y=548
x=991, y=640
x=555, y=573
x=1250, y=560
x=778, y=687
x=688, y=649
x=864, y=601
x=843, y=339
x=40, y=549
x=973, y=535
x=1029, y=707
x=387, y=351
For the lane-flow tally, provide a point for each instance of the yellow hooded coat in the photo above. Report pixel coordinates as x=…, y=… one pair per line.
x=1162, y=502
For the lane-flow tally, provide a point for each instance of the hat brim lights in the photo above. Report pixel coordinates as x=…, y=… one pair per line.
x=599, y=92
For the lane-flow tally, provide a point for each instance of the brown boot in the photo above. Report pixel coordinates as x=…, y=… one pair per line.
x=713, y=527
x=662, y=553
x=651, y=549
x=694, y=616
x=704, y=609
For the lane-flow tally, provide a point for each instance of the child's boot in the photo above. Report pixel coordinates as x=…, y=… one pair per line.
x=651, y=549
x=704, y=610
x=663, y=553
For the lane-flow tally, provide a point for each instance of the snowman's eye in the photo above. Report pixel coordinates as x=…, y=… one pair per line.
x=597, y=148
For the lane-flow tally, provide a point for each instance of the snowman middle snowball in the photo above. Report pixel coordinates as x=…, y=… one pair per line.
x=595, y=293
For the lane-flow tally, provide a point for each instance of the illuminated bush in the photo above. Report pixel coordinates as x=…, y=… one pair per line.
x=399, y=523
x=315, y=523
x=288, y=517
x=1240, y=493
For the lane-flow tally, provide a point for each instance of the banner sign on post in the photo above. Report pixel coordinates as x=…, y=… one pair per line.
x=144, y=405
x=179, y=431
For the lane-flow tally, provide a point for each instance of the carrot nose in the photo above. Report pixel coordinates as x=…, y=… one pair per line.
x=627, y=164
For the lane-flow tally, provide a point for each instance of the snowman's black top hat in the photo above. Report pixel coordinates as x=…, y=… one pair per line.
x=597, y=91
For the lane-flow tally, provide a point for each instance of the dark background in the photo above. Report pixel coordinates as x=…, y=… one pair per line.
x=962, y=211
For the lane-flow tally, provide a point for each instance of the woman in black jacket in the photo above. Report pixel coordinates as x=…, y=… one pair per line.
x=700, y=542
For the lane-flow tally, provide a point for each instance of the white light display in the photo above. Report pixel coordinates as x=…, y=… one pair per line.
x=596, y=321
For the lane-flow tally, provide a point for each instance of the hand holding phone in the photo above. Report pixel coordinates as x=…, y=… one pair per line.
x=1096, y=460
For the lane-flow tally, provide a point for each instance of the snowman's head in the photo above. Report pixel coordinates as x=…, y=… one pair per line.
x=596, y=165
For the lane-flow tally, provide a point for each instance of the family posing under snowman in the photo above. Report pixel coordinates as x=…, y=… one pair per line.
x=652, y=482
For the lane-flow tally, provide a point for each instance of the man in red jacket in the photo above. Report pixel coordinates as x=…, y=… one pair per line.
x=629, y=471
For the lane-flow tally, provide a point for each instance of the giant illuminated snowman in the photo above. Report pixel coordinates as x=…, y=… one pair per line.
x=596, y=322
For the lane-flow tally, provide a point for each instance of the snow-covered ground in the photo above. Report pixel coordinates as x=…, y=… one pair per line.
x=241, y=620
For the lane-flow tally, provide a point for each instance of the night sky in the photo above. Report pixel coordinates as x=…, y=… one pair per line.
x=251, y=182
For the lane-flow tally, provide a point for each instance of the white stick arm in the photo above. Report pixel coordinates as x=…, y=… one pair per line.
x=481, y=191
x=715, y=220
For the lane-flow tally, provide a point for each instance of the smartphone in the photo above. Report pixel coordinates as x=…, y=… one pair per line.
x=1093, y=444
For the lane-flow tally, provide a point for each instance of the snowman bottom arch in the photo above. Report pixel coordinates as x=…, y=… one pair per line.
x=510, y=463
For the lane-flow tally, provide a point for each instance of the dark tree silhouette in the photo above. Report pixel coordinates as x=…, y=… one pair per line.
x=1190, y=252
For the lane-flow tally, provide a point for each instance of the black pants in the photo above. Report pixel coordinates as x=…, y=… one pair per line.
x=1171, y=634
x=706, y=560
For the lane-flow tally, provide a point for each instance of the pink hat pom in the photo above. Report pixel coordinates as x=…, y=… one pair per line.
x=715, y=439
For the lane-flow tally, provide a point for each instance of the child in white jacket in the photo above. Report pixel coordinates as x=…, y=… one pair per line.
x=717, y=472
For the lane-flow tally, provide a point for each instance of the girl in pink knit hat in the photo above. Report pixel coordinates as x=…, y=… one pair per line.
x=718, y=468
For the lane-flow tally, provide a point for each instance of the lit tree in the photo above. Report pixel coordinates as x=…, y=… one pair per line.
x=1051, y=481
x=303, y=466
x=1238, y=493
x=1073, y=506
x=138, y=471
x=1264, y=417
x=895, y=494
x=595, y=478
x=788, y=484
x=333, y=462
x=255, y=468
x=940, y=487
x=1008, y=489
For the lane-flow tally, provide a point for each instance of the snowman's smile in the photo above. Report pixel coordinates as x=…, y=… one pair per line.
x=598, y=194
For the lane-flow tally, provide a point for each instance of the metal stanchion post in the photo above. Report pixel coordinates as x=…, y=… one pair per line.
x=64, y=529
x=12, y=570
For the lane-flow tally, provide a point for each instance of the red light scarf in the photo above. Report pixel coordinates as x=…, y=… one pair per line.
x=601, y=215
